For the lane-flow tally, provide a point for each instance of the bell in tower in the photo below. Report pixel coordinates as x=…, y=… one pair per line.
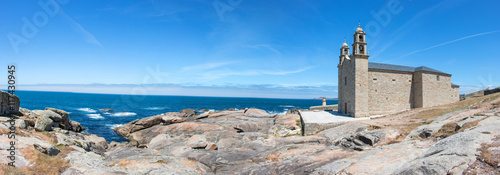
x=344, y=53
x=344, y=50
x=359, y=45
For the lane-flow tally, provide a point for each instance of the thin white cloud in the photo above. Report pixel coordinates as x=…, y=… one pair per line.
x=267, y=47
x=470, y=36
x=404, y=29
x=224, y=73
x=89, y=37
x=445, y=43
x=207, y=66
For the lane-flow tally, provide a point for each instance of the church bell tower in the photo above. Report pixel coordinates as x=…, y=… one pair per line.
x=359, y=44
x=361, y=86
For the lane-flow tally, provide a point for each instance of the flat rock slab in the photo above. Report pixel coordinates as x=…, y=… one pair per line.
x=316, y=121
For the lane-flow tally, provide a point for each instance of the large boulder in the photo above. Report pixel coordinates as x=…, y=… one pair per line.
x=46, y=149
x=188, y=112
x=145, y=123
x=99, y=141
x=186, y=128
x=65, y=122
x=336, y=134
x=75, y=126
x=43, y=123
x=197, y=141
x=247, y=127
x=24, y=110
x=21, y=123
x=5, y=99
x=124, y=130
x=140, y=124
x=253, y=112
x=168, y=119
x=63, y=139
x=48, y=113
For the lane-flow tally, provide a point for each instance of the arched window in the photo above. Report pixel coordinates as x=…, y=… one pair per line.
x=345, y=51
x=360, y=38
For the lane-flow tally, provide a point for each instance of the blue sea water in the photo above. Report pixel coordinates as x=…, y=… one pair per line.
x=85, y=108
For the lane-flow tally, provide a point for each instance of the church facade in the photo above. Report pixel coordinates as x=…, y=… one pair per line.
x=367, y=89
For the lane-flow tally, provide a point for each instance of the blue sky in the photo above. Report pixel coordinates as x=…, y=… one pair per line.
x=284, y=49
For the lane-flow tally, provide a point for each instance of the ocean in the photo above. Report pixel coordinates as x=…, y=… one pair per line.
x=85, y=108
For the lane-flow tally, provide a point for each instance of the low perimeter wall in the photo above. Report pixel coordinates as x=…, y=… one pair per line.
x=324, y=108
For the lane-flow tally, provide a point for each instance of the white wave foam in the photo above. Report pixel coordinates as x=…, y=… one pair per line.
x=106, y=113
x=113, y=126
x=95, y=116
x=287, y=106
x=278, y=112
x=122, y=114
x=87, y=110
x=154, y=108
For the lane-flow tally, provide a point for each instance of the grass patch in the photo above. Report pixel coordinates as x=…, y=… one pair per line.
x=488, y=157
x=452, y=128
x=272, y=158
x=408, y=128
x=429, y=115
x=9, y=170
x=446, y=130
x=373, y=127
x=46, y=164
x=78, y=142
x=4, y=131
x=298, y=123
x=47, y=136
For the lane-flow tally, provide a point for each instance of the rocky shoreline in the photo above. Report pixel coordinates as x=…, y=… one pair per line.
x=251, y=141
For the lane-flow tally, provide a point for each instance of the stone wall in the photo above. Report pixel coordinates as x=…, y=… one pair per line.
x=346, y=91
x=455, y=94
x=389, y=91
x=418, y=100
x=324, y=108
x=374, y=92
x=437, y=92
x=361, y=105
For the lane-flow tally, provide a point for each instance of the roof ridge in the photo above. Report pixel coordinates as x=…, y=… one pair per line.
x=384, y=66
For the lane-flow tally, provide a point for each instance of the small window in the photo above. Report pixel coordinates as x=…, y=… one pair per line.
x=374, y=79
x=437, y=78
x=345, y=80
x=393, y=80
x=409, y=81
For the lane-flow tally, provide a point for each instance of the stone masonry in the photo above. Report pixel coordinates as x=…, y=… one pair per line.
x=367, y=89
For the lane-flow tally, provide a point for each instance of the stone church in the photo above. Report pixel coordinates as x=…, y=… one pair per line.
x=367, y=89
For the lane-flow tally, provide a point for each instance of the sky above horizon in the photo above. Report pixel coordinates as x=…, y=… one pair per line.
x=282, y=49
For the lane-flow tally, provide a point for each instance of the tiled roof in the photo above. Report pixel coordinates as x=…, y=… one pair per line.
x=382, y=66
